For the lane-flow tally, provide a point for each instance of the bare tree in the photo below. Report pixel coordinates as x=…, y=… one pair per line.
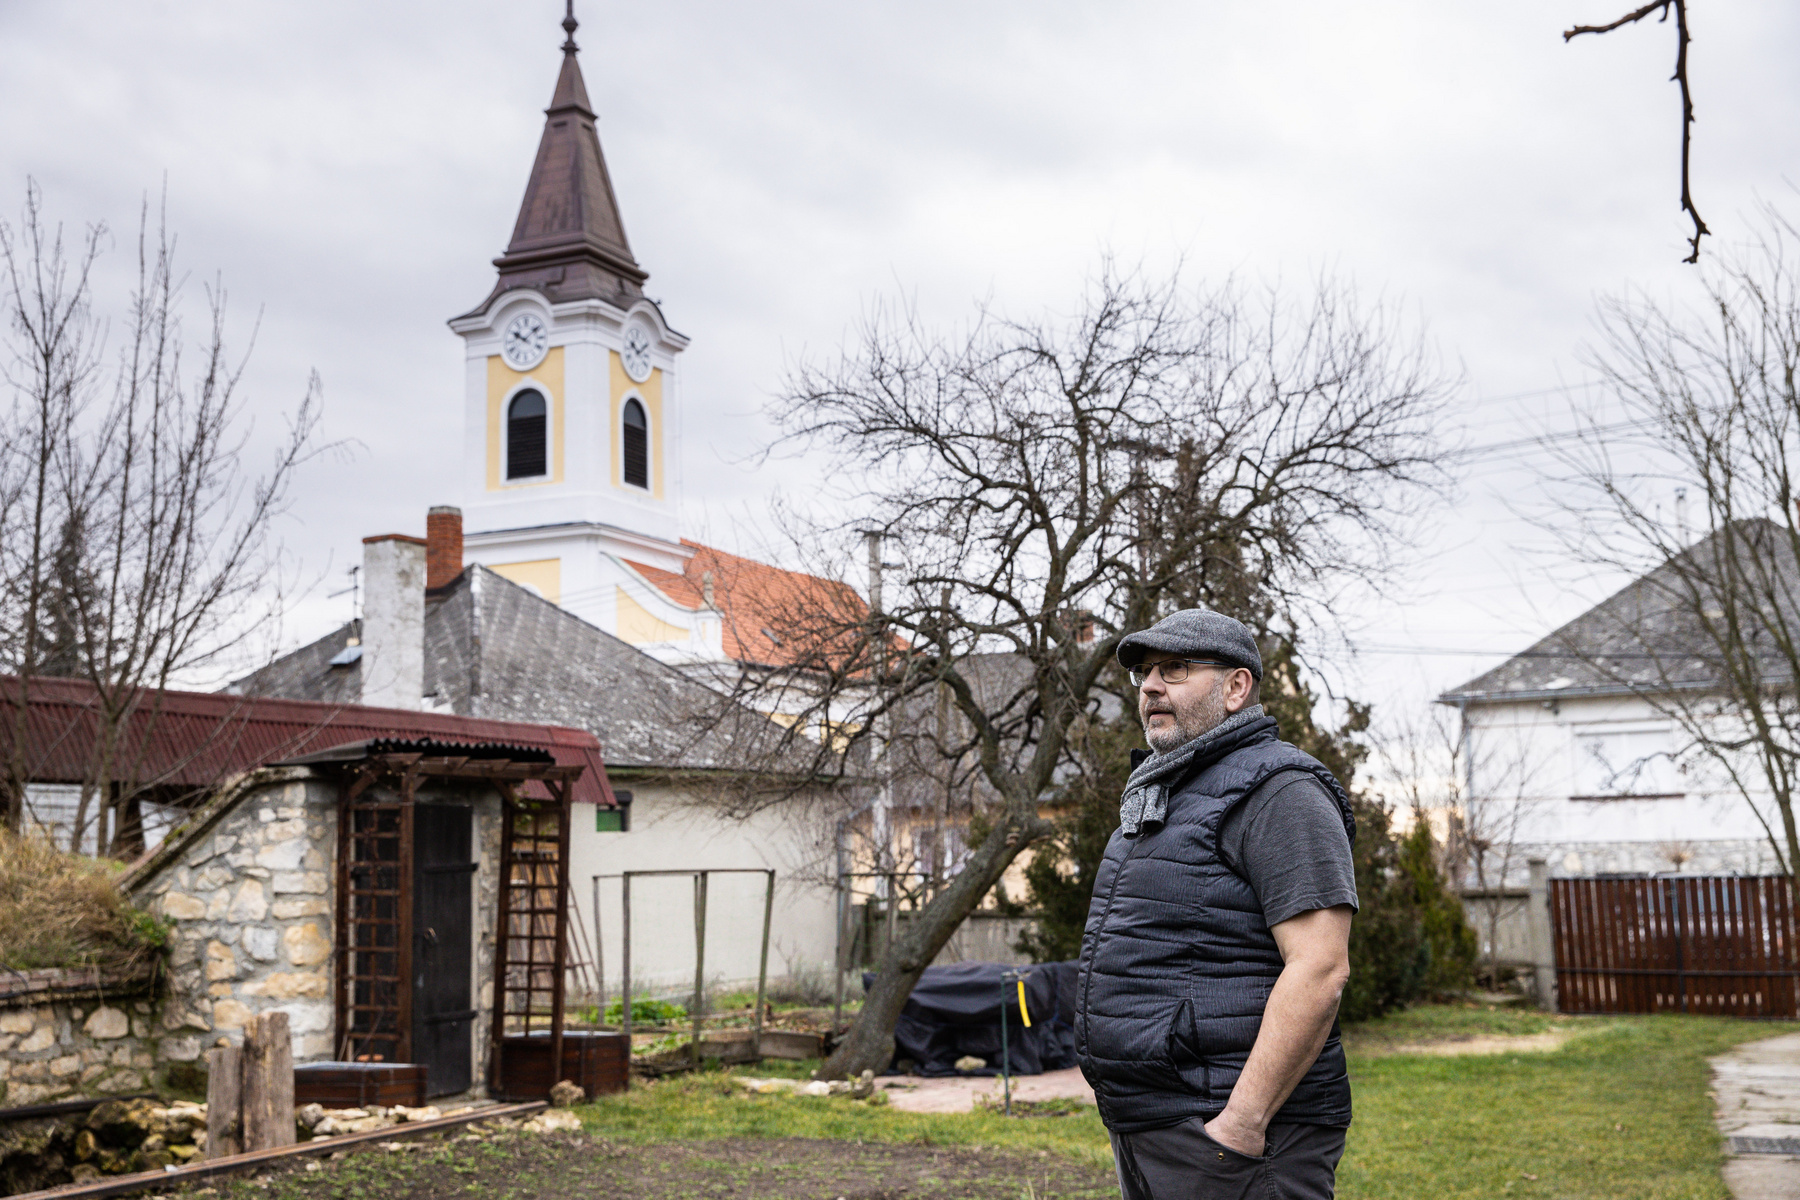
x=137, y=544
x=1662, y=9
x=1037, y=488
x=1708, y=634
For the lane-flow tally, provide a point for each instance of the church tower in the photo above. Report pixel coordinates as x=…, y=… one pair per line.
x=571, y=471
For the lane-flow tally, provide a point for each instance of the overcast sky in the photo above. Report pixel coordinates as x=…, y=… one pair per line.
x=350, y=169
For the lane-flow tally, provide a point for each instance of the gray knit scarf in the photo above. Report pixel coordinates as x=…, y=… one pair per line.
x=1146, y=803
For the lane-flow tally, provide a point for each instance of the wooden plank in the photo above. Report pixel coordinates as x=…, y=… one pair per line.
x=224, y=1102
x=268, y=1088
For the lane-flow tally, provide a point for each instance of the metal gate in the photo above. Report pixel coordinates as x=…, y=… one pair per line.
x=1717, y=945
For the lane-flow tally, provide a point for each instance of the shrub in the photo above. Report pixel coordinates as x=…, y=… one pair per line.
x=62, y=910
x=645, y=1010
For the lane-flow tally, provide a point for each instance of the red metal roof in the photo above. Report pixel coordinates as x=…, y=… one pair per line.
x=197, y=739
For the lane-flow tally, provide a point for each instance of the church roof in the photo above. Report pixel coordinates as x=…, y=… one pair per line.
x=569, y=241
x=765, y=609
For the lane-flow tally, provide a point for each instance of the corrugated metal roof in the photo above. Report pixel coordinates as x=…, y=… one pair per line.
x=197, y=739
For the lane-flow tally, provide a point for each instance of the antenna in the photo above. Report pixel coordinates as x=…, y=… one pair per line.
x=1681, y=528
x=355, y=600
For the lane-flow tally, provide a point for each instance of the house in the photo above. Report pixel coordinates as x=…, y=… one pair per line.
x=353, y=867
x=1573, y=752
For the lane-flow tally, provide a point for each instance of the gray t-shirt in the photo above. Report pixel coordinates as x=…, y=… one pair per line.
x=1287, y=839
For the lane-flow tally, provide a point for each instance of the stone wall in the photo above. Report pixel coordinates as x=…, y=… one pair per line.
x=66, y=1049
x=249, y=901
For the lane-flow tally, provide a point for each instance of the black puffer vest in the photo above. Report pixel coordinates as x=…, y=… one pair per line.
x=1177, y=961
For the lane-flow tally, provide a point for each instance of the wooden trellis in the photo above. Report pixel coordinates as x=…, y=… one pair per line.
x=532, y=952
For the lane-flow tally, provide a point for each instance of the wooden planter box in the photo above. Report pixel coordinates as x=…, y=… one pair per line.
x=597, y=1062
x=358, y=1085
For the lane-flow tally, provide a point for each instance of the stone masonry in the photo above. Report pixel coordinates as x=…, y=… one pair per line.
x=63, y=1049
x=250, y=904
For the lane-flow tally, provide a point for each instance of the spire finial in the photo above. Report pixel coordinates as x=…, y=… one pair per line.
x=570, y=25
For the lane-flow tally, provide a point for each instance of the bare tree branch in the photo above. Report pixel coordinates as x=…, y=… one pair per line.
x=1662, y=7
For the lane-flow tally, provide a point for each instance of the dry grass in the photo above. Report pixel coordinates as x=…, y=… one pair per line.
x=62, y=910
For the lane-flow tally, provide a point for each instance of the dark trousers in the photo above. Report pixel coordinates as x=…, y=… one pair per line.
x=1183, y=1162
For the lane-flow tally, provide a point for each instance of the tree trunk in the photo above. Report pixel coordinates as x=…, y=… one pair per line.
x=870, y=1043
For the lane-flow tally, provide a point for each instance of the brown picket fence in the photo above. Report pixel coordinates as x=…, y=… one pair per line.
x=1717, y=945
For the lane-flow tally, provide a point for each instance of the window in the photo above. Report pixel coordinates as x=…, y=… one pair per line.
x=525, y=436
x=1619, y=764
x=637, y=445
x=614, y=820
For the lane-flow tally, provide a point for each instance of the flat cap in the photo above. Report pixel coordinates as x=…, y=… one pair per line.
x=1195, y=633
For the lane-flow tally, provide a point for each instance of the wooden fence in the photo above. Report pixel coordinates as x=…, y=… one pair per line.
x=1722, y=946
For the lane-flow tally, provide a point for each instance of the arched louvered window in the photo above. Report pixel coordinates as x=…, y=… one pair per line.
x=526, y=425
x=637, y=445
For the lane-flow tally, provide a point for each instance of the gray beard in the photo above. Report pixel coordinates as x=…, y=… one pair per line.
x=1205, y=715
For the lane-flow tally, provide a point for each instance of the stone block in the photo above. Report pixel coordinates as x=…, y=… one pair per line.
x=265, y=815
x=221, y=963
x=262, y=942
x=107, y=1023
x=65, y=1066
x=16, y=1022
x=305, y=882
x=214, y=876
x=143, y=1059
x=287, y=910
x=230, y=1014
x=306, y=946
x=250, y=904
x=92, y=1073
x=289, y=985
x=256, y=872
x=309, y=1018
x=282, y=830
x=32, y=1071
x=140, y=1027
x=19, y=1095
x=181, y=1049
x=182, y=907
x=42, y=1038
x=93, y=1054
x=126, y=1081
x=219, y=905
x=216, y=990
x=120, y=1057
x=312, y=1047
x=6, y=1042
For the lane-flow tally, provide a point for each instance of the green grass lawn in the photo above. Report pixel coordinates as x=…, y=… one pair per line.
x=1619, y=1111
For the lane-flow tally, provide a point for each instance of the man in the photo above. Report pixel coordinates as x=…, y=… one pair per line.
x=1217, y=942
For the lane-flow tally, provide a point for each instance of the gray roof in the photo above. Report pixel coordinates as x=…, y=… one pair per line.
x=494, y=649
x=1655, y=635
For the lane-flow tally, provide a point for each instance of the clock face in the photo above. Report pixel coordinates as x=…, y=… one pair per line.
x=636, y=354
x=525, y=342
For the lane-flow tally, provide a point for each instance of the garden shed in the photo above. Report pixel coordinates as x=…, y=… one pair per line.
x=402, y=897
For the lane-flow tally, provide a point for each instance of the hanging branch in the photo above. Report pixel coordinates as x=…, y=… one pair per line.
x=1662, y=7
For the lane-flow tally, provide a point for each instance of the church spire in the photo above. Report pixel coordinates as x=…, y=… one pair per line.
x=569, y=240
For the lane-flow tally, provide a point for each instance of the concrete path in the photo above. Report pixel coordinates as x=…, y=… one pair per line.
x=957, y=1093
x=1757, y=1088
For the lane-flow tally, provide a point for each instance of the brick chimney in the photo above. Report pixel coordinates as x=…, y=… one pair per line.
x=443, y=545
x=393, y=626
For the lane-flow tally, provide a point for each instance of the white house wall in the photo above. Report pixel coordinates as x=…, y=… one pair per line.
x=670, y=832
x=1543, y=756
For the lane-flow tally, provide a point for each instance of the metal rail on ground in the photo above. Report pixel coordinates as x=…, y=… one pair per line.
x=144, y=1181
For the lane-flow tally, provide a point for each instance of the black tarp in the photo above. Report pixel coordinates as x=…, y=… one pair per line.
x=956, y=1011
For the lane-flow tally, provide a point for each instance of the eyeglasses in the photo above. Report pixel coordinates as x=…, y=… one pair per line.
x=1174, y=670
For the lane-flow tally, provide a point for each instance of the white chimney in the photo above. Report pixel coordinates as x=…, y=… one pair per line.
x=393, y=624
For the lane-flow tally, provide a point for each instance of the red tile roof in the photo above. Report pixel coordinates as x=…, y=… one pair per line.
x=763, y=606
x=198, y=739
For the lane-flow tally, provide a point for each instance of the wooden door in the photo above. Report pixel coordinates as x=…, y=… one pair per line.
x=443, y=1013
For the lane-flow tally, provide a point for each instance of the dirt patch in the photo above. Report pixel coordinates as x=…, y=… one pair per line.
x=560, y=1167
x=1529, y=1043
